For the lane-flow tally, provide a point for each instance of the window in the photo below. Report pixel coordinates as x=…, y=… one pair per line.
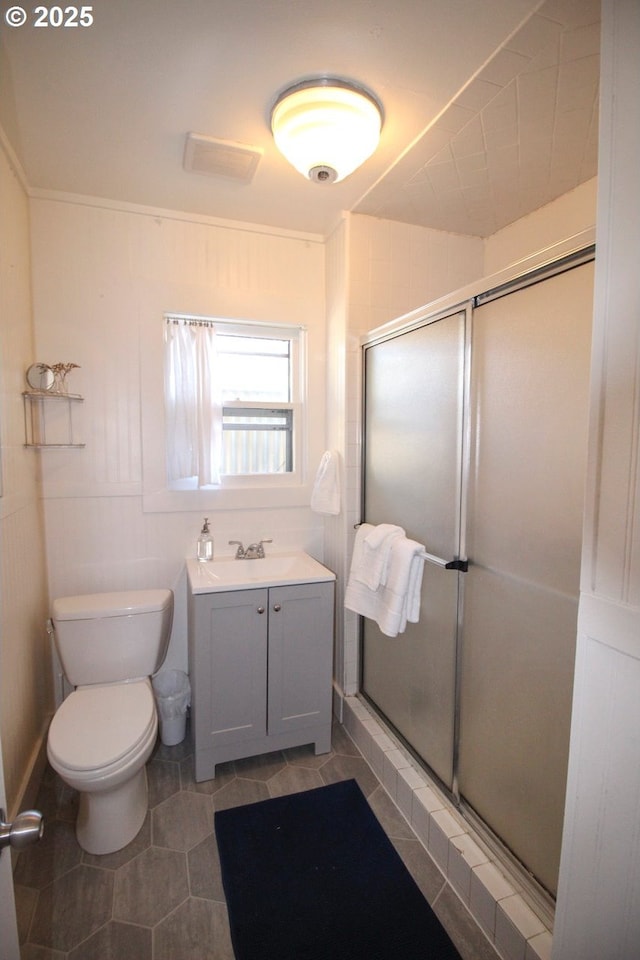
x=232, y=394
x=257, y=416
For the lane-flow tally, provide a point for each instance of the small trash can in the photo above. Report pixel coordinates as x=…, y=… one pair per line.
x=173, y=695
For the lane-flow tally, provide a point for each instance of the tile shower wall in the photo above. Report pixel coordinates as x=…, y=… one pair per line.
x=25, y=697
x=392, y=269
x=102, y=279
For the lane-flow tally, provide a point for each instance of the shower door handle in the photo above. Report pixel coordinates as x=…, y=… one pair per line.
x=461, y=565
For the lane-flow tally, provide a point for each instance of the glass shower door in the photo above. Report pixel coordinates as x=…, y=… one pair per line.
x=529, y=404
x=414, y=395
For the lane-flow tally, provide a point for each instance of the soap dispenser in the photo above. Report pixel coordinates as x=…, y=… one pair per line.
x=205, y=543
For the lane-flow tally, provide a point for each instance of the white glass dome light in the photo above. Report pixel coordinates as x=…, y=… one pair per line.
x=326, y=128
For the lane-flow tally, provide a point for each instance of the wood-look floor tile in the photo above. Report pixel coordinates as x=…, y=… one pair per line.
x=116, y=941
x=72, y=908
x=163, y=779
x=54, y=855
x=294, y=780
x=150, y=887
x=205, y=879
x=32, y=951
x=182, y=821
x=26, y=901
x=56, y=800
x=240, y=791
x=342, y=743
x=470, y=941
x=344, y=768
x=306, y=757
x=422, y=868
x=393, y=823
x=197, y=929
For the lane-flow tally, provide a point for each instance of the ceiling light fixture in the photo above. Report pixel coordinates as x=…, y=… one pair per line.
x=326, y=128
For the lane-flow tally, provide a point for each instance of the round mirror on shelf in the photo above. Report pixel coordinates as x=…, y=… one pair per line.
x=40, y=376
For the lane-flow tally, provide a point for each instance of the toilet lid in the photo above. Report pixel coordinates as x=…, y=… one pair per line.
x=98, y=725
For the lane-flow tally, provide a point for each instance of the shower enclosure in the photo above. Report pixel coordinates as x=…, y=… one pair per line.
x=475, y=429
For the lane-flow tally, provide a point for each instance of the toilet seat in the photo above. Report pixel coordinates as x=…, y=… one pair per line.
x=98, y=727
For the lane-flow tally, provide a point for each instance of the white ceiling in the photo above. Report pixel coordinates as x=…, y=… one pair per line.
x=490, y=108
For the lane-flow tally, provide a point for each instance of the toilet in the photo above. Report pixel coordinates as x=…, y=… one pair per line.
x=102, y=734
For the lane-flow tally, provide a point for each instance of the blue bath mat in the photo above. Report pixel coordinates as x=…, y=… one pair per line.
x=313, y=876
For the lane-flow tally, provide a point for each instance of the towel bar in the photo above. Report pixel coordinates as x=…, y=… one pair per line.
x=461, y=565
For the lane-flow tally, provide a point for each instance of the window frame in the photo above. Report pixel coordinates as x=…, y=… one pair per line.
x=286, y=491
x=296, y=335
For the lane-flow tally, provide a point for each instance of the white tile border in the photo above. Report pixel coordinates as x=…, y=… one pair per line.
x=515, y=931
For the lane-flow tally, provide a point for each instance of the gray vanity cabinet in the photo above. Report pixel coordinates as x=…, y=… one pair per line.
x=261, y=671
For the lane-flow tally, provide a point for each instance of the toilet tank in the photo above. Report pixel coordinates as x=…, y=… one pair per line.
x=108, y=637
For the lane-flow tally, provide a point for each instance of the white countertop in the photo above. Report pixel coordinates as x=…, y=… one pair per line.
x=276, y=569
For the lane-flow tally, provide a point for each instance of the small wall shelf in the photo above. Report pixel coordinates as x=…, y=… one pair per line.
x=49, y=419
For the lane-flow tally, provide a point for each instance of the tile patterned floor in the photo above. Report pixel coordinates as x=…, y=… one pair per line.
x=161, y=897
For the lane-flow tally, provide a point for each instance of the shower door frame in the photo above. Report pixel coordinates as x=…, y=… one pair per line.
x=457, y=563
x=576, y=257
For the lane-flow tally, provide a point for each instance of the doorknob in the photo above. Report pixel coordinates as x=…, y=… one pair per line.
x=27, y=827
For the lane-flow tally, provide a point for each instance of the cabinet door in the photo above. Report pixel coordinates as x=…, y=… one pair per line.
x=236, y=666
x=300, y=656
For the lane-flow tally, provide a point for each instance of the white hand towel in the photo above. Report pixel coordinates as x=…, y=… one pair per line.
x=325, y=496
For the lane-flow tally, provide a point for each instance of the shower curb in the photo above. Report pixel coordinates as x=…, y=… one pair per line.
x=512, y=927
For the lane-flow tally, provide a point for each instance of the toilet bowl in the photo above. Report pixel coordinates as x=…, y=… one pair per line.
x=103, y=733
x=99, y=742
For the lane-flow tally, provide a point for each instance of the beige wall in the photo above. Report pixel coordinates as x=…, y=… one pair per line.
x=102, y=279
x=25, y=700
x=566, y=217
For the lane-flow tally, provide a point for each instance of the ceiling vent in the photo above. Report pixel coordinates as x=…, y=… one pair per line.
x=220, y=158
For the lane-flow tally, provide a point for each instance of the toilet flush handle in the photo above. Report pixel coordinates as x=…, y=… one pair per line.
x=27, y=827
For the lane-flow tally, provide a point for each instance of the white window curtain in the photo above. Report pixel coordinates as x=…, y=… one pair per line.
x=193, y=403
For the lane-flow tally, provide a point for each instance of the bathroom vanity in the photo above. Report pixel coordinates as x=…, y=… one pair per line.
x=260, y=656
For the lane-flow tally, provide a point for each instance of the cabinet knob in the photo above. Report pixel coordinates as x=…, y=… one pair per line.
x=277, y=607
x=260, y=609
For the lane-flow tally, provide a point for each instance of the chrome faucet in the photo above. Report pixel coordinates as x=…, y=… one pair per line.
x=255, y=551
x=240, y=551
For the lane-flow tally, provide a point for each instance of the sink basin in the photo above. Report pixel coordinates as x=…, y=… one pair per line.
x=277, y=569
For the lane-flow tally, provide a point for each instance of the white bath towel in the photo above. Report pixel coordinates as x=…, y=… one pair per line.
x=373, y=567
x=325, y=496
x=395, y=603
x=371, y=551
x=400, y=602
